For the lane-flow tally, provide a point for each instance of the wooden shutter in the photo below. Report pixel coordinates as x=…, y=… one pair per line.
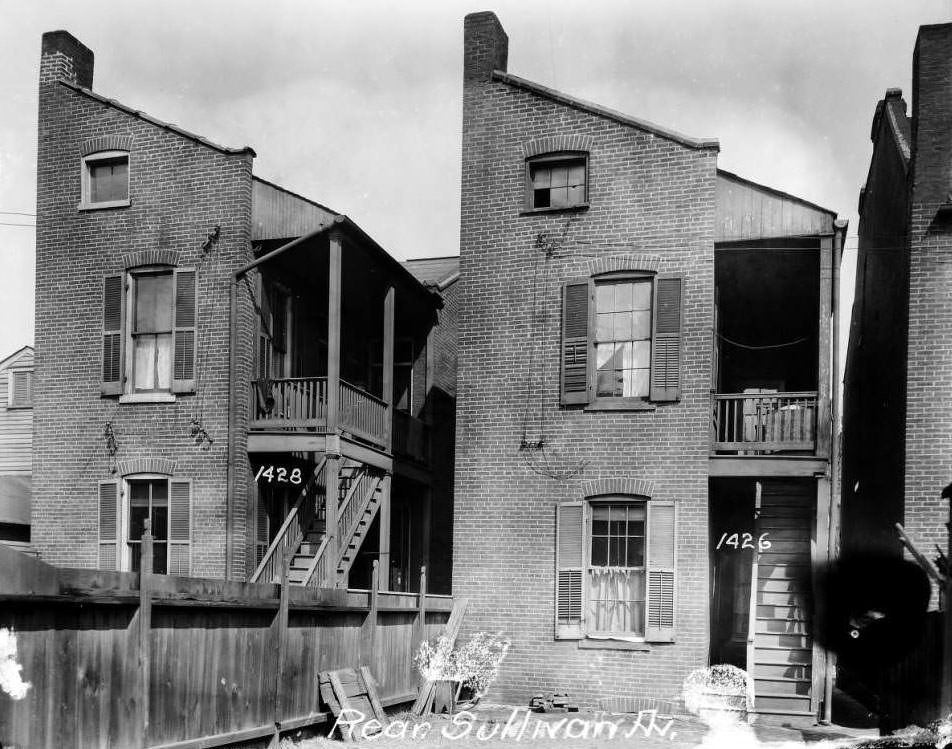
x=112, y=343
x=108, y=525
x=22, y=388
x=666, y=339
x=569, y=570
x=180, y=534
x=662, y=546
x=576, y=347
x=184, y=332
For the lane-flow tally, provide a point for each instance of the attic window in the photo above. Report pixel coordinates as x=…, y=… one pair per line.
x=557, y=181
x=105, y=178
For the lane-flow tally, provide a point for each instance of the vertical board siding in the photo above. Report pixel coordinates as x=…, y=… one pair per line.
x=212, y=654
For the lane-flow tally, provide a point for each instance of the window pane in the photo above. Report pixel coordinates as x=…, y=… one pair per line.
x=604, y=298
x=575, y=195
x=604, y=327
x=560, y=176
x=641, y=325
x=139, y=493
x=622, y=326
x=153, y=304
x=160, y=522
x=604, y=352
x=163, y=365
x=636, y=383
x=160, y=492
x=541, y=177
x=109, y=180
x=623, y=293
x=642, y=295
x=559, y=197
x=640, y=354
x=540, y=198
x=577, y=174
x=144, y=362
x=160, y=564
x=137, y=516
x=636, y=552
x=599, y=551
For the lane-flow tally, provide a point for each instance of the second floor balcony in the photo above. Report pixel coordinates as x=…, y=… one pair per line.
x=763, y=423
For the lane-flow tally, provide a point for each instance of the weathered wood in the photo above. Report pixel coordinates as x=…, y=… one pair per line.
x=388, y=319
x=918, y=556
x=145, y=627
x=421, y=610
x=282, y=642
x=450, y=631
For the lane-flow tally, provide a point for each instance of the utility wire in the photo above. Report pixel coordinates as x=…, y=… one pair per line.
x=764, y=347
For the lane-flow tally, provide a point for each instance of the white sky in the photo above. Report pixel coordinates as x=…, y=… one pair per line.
x=358, y=105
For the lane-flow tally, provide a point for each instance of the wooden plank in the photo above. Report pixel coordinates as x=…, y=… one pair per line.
x=342, y=701
x=450, y=631
x=372, y=695
x=145, y=628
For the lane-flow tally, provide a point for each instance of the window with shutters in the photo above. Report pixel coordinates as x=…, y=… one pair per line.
x=615, y=569
x=621, y=340
x=124, y=507
x=105, y=180
x=20, y=393
x=557, y=181
x=149, y=333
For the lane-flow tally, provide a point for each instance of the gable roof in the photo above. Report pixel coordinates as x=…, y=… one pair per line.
x=24, y=354
x=611, y=114
x=435, y=271
x=154, y=120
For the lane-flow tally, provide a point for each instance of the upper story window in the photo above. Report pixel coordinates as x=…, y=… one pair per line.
x=151, y=332
x=105, y=180
x=555, y=181
x=621, y=340
x=20, y=392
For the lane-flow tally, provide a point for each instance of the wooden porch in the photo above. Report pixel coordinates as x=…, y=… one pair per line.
x=763, y=424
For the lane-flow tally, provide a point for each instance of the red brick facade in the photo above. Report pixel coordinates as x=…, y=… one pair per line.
x=651, y=207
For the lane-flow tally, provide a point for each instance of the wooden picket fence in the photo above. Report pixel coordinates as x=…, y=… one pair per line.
x=121, y=659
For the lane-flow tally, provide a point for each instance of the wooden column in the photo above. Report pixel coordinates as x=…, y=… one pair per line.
x=388, y=322
x=824, y=426
x=333, y=402
x=332, y=499
x=384, y=517
x=426, y=522
x=145, y=626
x=820, y=557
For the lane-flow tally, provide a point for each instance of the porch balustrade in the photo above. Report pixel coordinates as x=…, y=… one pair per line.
x=758, y=423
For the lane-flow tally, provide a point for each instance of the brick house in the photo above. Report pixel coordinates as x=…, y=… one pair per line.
x=242, y=366
x=644, y=393
x=16, y=438
x=897, y=417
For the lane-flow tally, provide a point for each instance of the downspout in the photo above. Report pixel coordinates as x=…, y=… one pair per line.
x=231, y=473
x=839, y=234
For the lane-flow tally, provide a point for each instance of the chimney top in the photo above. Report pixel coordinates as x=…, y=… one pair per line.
x=485, y=47
x=64, y=57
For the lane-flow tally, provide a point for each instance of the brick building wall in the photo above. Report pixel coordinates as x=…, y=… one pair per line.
x=928, y=464
x=180, y=189
x=649, y=195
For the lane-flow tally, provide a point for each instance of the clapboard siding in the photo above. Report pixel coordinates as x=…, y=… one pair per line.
x=16, y=424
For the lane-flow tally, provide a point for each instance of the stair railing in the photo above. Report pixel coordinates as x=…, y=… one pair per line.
x=292, y=530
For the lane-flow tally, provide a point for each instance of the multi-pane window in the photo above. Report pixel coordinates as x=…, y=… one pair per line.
x=616, y=570
x=152, y=332
x=106, y=179
x=557, y=182
x=623, y=338
x=149, y=499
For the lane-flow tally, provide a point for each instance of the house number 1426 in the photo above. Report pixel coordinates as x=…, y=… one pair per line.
x=743, y=541
x=279, y=475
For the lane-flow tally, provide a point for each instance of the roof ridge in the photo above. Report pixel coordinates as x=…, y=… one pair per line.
x=612, y=114
x=154, y=120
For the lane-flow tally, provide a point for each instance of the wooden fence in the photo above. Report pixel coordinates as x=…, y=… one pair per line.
x=910, y=689
x=121, y=659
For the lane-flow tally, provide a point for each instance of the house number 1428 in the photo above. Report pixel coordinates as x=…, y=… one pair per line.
x=743, y=541
x=279, y=475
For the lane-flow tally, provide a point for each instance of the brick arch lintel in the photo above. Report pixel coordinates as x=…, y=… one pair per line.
x=623, y=485
x=106, y=143
x=150, y=257
x=556, y=143
x=130, y=466
x=624, y=261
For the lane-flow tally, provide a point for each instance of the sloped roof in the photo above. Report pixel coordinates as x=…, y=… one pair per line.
x=21, y=354
x=434, y=271
x=611, y=114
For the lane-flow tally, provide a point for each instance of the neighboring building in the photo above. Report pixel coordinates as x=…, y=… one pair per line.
x=16, y=439
x=897, y=414
x=241, y=365
x=608, y=506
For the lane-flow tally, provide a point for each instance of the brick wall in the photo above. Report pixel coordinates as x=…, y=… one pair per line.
x=179, y=190
x=648, y=195
x=928, y=465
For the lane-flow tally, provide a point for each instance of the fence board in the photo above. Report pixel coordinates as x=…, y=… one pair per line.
x=211, y=646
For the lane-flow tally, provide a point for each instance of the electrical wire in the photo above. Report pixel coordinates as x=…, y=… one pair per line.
x=764, y=347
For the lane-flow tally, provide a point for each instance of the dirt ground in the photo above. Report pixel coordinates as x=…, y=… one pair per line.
x=504, y=727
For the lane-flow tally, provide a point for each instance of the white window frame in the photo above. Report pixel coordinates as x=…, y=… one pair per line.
x=124, y=551
x=130, y=394
x=553, y=160
x=11, y=388
x=87, y=162
x=612, y=280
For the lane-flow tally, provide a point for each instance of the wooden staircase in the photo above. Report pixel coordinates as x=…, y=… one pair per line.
x=303, y=536
x=780, y=641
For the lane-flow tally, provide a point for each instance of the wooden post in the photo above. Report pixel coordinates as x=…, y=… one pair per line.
x=946, y=692
x=282, y=649
x=824, y=426
x=331, y=506
x=384, y=543
x=820, y=555
x=369, y=631
x=145, y=625
x=388, y=317
x=333, y=332
x=421, y=606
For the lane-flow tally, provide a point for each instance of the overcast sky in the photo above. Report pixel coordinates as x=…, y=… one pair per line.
x=358, y=105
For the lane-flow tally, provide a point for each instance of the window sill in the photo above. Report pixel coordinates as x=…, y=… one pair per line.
x=620, y=404
x=19, y=407
x=563, y=209
x=608, y=644
x=147, y=398
x=105, y=204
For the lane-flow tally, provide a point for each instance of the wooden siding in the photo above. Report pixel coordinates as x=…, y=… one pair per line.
x=279, y=214
x=16, y=424
x=746, y=210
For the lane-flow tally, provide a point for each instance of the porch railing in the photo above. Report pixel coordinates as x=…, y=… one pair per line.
x=756, y=423
x=362, y=414
x=411, y=437
x=309, y=505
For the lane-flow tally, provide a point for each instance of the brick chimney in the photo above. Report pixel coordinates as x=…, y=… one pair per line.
x=932, y=115
x=485, y=47
x=64, y=57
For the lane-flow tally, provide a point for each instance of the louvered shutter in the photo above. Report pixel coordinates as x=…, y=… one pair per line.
x=569, y=570
x=22, y=388
x=108, y=525
x=180, y=536
x=576, y=348
x=184, y=333
x=662, y=545
x=666, y=339
x=112, y=343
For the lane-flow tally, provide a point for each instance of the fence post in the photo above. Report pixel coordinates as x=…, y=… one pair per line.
x=368, y=632
x=945, y=692
x=421, y=612
x=282, y=645
x=145, y=625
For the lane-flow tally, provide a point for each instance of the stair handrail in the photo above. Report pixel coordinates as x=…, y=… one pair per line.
x=291, y=531
x=919, y=557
